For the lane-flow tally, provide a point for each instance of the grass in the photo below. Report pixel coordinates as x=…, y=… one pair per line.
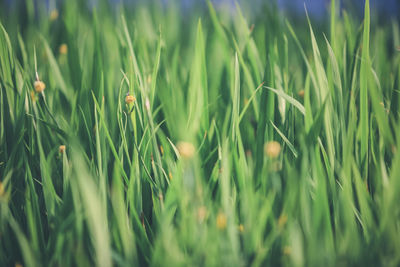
x=183, y=175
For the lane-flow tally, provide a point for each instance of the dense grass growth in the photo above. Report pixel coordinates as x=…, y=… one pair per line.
x=209, y=138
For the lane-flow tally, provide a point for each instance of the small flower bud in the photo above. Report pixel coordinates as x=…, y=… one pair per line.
x=129, y=99
x=63, y=49
x=282, y=221
x=287, y=250
x=272, y=149
x=39, y=86
x=54, y=15
x=61, y=149
x=1, y=189
x=33, y=96
x=186, y=149
x=221, y=221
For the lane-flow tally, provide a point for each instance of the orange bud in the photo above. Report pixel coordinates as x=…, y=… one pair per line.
x=61, y=149
x=63, y=49
x=129, y=99
x=39, y=86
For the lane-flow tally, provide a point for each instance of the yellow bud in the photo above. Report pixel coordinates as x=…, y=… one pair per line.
x=1, y=189
x=272, y=149
x=61, y=149
x=301, y=93
x=39, y=86
x=221, y=221
x=241, y=228
x=129, y=99
x=63, y=49
x=54, y=15
x=33, y=96
x=186, y=149
x=287, y=250
x=282, y=221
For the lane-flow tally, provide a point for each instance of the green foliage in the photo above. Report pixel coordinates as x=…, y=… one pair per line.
x=181, y=175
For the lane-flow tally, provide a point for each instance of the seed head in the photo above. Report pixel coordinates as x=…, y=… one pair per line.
x=63, y=49
x=221, y=221
x=301, y=93
x=282, y=221
x=186, y=149
x=272, y=149
x=1, y=189
x=54, y=15
x=287, y=250
x=33, y=96
x=39, y=86
x=129, y=99
x=61, y=149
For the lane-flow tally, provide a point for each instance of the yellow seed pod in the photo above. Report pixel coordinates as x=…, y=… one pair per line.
x=301, y=93
x=287, y=250
x=33, y=96
x=39, y=86
x=221, y=221
x=61, y=149
x=241, y=228
x=186, y=149
x=54, y=15
x=282, y=221
x=63, y=49
x=272, y=149
x=1, y=189
x=129, y=99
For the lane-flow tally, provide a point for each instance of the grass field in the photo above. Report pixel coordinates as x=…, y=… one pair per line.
x=145, y=135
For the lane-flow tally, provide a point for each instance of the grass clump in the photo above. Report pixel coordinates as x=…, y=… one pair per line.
x=159, y=138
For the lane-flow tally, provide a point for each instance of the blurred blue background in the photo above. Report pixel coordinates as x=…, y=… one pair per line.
x=319, y=8
x=316, y=8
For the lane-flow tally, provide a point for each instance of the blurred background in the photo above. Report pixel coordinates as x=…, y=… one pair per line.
x=386, y=9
